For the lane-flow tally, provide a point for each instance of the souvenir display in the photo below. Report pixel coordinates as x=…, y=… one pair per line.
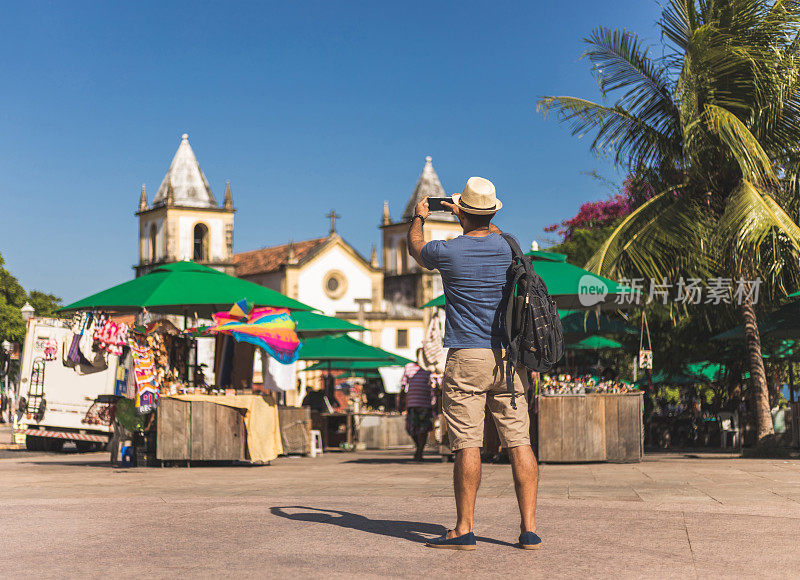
x=144, y=373
x=94, y=335
x=565, y=384
x=111, y=336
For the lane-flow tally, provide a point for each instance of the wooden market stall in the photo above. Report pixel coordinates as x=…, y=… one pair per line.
x=382, y=431
x=361, y=430
x=575, y=428
x=218, y=428
x=591, y=427
x=353, y=425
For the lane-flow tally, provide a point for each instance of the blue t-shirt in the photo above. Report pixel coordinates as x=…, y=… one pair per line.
x=474, y=272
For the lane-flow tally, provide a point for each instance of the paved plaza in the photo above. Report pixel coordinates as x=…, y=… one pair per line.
x=366, y=515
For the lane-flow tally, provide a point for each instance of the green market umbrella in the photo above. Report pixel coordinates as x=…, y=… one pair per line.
x=311, y=324
x=330, y=350
x=571, y=287
x=341, y=348
x=782, y=323
x=359, y=365
x=594, y=343
x=690, y=374
x=183, y=288
x=784, y=349
x=576, y=288
x=438, y=301
x=359, y=374
x=576, y=323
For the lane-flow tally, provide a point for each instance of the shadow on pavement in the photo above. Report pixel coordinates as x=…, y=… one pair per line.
x=405, y=530
x=78, y=462
x=390, y=460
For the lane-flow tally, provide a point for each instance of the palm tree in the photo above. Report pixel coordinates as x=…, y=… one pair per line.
x=714, y=123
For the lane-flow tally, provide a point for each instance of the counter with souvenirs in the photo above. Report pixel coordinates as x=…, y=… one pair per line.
x=170, y=412
x=567, y=384
x=588, y=418
x=360, y=414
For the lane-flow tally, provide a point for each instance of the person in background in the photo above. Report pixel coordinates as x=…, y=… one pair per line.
x=420, y=412
x=316, y=400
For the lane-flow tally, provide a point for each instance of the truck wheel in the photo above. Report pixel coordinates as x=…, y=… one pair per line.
x=84, y=446
x=33, y=443
x=53, y=445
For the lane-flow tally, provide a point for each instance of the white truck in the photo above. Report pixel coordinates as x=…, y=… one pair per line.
x=56, y=398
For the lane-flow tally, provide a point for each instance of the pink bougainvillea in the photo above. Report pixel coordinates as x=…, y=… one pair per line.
x=594, y=214
x=598, y=214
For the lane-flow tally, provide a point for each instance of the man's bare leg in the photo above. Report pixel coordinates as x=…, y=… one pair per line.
x=466, y=481
x=526, y=483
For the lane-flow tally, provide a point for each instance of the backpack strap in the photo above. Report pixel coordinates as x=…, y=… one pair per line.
x=512, y=350
x=513, y=345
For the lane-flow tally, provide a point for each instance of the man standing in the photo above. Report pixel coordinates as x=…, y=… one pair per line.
x=420, y=413
x=474, y=269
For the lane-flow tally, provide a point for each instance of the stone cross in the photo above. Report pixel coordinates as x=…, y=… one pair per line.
x=332, y=216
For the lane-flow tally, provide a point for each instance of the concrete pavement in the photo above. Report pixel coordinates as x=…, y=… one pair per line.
x=367, y=514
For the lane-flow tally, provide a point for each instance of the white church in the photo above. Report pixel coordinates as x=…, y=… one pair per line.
x=185, y=221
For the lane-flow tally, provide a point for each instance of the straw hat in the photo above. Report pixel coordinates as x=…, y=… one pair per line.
x=478, y=197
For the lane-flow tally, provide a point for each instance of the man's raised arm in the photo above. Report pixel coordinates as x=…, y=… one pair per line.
x=416, y=239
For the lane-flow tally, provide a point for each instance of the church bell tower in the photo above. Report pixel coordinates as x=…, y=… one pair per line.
x=184, y=221
x=404, y=281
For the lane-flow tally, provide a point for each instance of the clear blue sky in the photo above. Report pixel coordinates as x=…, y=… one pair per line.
x=303, y=106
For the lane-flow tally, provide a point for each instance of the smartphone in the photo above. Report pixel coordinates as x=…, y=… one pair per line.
x=435, y=203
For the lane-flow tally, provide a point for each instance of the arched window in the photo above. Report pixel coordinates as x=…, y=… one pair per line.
x=153, y=248
x=200, y=243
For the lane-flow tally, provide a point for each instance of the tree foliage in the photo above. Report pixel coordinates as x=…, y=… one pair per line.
x=715, y=125
x=13, y=298
x=714, y=122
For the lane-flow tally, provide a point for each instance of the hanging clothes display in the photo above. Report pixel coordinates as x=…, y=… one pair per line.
x=111, y=336
x=89, y=351
x=433, y=351
x=269, y=328
x=73, y=355
x=144, y=373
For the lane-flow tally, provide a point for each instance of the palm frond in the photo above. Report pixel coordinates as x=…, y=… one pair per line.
x=754, y=163
x=751, y=219
x=628, y=138
x=621, y=63
x=678, y=20
x=661, y=238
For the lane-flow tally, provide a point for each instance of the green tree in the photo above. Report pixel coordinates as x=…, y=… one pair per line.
x=583, y=244
x=715, y=123
x=44, y=304
x=13, y=298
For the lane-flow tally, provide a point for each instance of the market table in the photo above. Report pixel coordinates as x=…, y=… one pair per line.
x=590, y=427
x=336, y=429
x=381, y=430
x=218, y=428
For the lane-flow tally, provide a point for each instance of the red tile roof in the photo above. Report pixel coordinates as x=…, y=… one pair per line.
x=272, y=259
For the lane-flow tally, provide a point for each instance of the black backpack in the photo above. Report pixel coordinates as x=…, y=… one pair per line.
x=533, y=327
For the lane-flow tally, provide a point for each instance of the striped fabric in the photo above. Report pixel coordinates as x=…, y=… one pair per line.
x=416, y=382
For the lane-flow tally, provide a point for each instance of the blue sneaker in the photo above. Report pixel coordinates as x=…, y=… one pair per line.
x=529, y=541
x=465, y=542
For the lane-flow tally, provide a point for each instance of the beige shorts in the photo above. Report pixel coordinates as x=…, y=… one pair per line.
x=473, y=378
